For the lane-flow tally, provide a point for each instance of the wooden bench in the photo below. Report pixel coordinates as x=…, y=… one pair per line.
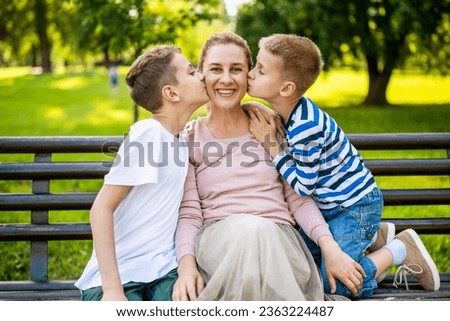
x=41, y=171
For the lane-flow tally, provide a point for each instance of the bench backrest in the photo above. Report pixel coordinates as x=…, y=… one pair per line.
x=42, y=170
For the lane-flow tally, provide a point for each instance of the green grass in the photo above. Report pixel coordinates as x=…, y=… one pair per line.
x=82, y=103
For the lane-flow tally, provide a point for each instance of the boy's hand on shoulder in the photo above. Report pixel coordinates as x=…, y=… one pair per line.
x=265, y=131
x=190, y=282
x=268, y=113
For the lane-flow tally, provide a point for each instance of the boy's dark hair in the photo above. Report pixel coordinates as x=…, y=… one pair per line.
x=225, y=38
x=302, y=60
x=149, y=73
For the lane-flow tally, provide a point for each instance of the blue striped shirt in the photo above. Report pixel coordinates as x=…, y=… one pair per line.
x=320, y=160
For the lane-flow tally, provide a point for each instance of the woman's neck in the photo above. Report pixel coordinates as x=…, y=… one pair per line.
x=227, y=123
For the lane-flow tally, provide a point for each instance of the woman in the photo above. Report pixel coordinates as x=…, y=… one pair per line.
x=235, y=220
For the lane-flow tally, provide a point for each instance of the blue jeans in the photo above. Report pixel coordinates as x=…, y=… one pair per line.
x=353, y=228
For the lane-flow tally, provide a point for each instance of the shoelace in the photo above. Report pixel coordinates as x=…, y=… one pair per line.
x=403, y=271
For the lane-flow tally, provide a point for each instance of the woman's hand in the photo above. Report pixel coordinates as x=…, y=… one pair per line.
x=190, y=282
x=339, y=265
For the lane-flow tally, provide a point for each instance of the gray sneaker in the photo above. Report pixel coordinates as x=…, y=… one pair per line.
x=417, y=263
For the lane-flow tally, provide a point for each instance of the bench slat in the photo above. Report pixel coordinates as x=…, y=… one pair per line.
x=400, y=141
x=43, y=202
x=89, y=144
x=433, y=225
x=42, y=295
x=82, y=231
x=44, y=171
x=59, y=144
x=83, y=201
x=437, y=196
x=409, y=167
x=36, y=286
x=42, y=232
x=86, y=170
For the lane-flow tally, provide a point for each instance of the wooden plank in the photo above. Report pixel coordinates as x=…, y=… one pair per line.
x=56, y=170
x=59, y=144
x=35, y=232
x=67, y=295
x=66, y=201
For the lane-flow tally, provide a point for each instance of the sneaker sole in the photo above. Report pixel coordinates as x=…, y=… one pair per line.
x=391, y=232
x=427, y=257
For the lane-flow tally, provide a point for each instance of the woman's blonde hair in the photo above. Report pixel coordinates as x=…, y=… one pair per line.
x=225, y=38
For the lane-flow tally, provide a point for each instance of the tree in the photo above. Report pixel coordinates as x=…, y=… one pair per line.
x=41, y=30
x=382, y=33
x=30, y=29
x=17, y=32
x=129, y=26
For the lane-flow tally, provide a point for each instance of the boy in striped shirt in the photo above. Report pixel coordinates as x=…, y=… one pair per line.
x=319, y=160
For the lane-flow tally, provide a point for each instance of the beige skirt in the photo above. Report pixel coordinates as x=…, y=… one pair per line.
x=249, y=258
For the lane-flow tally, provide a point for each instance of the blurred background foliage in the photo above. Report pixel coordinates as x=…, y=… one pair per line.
x=377, y=36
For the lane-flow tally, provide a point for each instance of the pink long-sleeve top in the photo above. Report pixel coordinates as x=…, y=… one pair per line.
x=237, y=178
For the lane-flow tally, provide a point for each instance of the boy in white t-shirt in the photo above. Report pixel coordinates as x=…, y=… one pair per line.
x=135, y=214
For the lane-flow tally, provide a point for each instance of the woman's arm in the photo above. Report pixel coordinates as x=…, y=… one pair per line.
x=306, y=213
x=338, y=264
x=102, y=223
x=189, y=283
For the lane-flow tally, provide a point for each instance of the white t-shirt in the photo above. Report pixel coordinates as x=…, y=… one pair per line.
x=155, y=163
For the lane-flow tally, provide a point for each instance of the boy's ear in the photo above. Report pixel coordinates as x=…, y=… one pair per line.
x=170, y=93
x=288, y=89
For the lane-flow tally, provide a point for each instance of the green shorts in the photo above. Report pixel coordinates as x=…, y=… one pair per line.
x=157, y=290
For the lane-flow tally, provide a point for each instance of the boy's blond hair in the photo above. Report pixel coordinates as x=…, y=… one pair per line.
x=302, y=60
x=149, y=73
x=225, y=38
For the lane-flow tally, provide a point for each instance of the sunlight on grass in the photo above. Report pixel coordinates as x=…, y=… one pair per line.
x=54, y=113
x=339, y=88
x=410, y=88
x=14, y=72
x=102, y=114
x=68, y=83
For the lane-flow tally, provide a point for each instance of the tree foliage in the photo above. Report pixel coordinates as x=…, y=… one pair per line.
x=381, y=33
x=111, y=28
x=17, y=37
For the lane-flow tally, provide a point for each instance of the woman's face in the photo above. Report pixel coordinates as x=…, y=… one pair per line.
x=225, y=69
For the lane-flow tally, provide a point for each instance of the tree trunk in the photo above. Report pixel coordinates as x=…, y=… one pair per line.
x=378, y=82
x=106, y=60
x=41, y=28
x=34, y=62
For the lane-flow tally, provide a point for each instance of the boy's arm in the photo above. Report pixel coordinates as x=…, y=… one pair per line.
x=102, y=223
x=337, y=263
x=300, y=164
